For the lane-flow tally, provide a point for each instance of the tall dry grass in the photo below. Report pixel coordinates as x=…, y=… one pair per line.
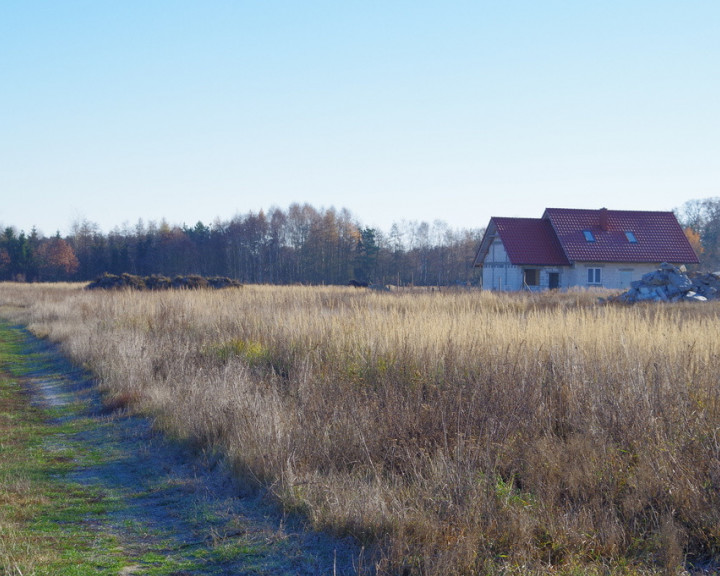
x=462, y=432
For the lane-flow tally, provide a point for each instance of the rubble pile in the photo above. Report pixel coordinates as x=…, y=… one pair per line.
x=113, y=282
x=672, y=284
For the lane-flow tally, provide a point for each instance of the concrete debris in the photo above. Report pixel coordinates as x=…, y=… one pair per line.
x=672, y=284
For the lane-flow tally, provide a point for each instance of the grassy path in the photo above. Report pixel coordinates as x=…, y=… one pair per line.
x=83, y=491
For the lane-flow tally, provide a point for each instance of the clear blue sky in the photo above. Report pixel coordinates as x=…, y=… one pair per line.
x=112, y=111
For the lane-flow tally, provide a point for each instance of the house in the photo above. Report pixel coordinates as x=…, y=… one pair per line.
x=569, y=247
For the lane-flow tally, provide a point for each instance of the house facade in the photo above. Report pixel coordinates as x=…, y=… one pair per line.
x=587, y=248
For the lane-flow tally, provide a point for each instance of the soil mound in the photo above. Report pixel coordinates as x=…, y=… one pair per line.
x=130, y=281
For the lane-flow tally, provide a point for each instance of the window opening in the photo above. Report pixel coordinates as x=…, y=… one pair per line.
x=532, y=276
x=589, y=236
x=554, y=280
x=594, y=276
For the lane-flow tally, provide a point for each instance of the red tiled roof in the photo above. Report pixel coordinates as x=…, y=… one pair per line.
x=659, y=236
x=530, y=241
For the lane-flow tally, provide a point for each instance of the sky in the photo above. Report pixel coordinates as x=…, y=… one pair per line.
x=458, y=111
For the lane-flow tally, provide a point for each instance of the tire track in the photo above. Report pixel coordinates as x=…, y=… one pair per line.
x=170, y=510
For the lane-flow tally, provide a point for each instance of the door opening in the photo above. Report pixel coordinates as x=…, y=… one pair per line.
x=554, y=280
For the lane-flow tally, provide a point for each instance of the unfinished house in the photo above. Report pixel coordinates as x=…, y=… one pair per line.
x=571, y=247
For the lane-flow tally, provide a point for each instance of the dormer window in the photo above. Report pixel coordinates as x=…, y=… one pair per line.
x=589, y=236
x=631, y=237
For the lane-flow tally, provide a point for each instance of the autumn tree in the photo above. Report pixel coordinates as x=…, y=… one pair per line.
x=330, y=247
x=695, y=240
x=56, y=260
x=301, y=244
x=4, y=263
x=702, y=217
x=347, y=241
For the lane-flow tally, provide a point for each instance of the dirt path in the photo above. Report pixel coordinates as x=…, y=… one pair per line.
x=168, y=509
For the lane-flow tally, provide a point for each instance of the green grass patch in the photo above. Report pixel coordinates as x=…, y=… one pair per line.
x=49, y=523
x=253, y=353
x=249, y=350
x=46, y=525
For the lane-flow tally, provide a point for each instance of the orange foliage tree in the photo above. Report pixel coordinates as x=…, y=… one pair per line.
x=695, y=240
x=4, y=260
x=56, y=259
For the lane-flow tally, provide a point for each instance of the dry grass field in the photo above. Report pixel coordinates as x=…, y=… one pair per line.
x=464, y=433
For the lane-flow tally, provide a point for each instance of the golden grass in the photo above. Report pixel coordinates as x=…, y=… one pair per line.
x=461, y=431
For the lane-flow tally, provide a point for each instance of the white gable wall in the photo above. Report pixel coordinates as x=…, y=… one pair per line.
x=498, y=272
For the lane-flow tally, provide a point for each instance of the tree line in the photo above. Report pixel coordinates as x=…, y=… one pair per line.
x=701, y=220
x=298, y=245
